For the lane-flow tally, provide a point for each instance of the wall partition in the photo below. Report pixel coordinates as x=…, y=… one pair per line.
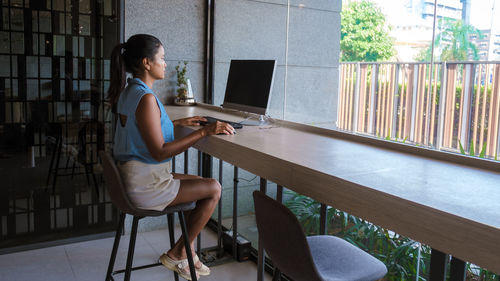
x=54, y=74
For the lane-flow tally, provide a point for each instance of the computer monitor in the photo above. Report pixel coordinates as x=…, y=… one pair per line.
x=249, y=85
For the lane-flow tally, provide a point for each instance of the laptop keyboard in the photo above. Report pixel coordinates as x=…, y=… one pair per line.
x=211, y=120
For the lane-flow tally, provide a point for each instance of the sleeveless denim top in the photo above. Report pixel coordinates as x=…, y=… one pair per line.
x=128, y=142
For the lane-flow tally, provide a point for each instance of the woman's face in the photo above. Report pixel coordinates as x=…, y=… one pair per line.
x=158, y=64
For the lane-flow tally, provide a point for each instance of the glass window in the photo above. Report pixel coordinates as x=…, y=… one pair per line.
x=17, y=42
x=4, y=66
x=45, y=21
x=34, y=21
x=17, y=19
x=4, y=40
x=32, y=89
x=45, y=67
x=5, y=18
x=84, y=22
x=32, y=67
x=59, y=45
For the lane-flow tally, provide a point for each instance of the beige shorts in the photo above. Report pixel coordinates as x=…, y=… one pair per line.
x=149, y=186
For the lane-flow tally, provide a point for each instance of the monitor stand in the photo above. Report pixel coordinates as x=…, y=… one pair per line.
x=260, y=122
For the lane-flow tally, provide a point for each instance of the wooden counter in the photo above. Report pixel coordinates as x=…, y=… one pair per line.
x=418, y=193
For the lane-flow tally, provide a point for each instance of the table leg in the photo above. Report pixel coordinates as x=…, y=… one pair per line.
x=262, y=254
x=457, y=269
x=439, y=260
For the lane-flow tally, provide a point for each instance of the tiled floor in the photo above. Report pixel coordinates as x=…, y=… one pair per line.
x=88, y=261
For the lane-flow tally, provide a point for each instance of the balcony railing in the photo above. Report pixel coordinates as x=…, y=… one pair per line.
x=458, y=112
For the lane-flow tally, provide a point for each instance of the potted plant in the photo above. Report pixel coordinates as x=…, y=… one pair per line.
x=184, y=92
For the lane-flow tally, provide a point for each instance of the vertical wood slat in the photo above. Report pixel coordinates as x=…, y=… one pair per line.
x=427, y=101
x=401, y=101
x=382, y=100
x=395, y=99
x=371, y=100
x=413, y=101
x=496, y=118
x=379, y=98
x=433, y=108
x=476, y=108
x=362, y=98
x=466, y=113
x=390, y=110
x=351, y=98
x=420, y=105
x=483, y=107
x=385, y=101
x=493, y=114
x=346, y=95
x=355, y=107
x=460, y=111
x=450, y=105
x=340, y=100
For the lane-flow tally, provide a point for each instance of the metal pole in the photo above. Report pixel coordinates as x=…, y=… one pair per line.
x=428, y=112
x=235, y=212
x=262, y=254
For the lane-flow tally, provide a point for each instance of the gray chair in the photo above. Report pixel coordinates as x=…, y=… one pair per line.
x=120, y=200
x=313, y=258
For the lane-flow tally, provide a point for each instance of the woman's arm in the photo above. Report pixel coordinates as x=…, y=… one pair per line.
x=149, y=124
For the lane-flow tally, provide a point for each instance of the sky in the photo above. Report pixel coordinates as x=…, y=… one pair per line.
x=481, y=11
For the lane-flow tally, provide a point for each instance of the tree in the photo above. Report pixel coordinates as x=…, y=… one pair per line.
x=364, y=35
x=453, y=42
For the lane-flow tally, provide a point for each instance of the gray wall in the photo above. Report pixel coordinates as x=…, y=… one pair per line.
x=306, y=80
x=179, y=24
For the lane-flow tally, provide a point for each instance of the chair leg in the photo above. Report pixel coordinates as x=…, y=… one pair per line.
x=116, y=243
x=277, y=274
x=187, y=246
x=131, y=246
x=171, y=234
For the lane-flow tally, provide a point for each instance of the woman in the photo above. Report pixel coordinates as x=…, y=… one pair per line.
x=144, y=144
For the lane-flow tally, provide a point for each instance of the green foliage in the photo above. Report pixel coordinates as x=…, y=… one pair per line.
x=453, y=43
x=364, y=35
x=400, y=254
x=471, y=150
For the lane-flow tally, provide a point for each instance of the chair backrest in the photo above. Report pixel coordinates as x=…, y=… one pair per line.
x=283, y=239
x=116, y=188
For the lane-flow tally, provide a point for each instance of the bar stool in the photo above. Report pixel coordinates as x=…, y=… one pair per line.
x=122, y=203
x=315, y=258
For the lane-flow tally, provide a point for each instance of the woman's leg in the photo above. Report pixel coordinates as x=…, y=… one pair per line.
x=207, y=193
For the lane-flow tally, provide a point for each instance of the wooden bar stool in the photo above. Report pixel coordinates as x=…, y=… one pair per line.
x=120, y=200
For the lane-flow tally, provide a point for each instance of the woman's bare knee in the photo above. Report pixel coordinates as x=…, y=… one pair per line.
x=216, y=189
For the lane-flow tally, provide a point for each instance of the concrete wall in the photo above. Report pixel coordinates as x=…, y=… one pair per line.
x=179, y=24
x=304, y=39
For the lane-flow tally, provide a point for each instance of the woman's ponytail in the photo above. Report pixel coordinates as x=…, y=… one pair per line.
x=117, y=73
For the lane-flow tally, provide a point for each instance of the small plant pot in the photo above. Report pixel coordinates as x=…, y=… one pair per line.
x=184, y=101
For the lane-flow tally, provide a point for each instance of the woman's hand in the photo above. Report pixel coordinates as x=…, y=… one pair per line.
x=189, y=121
x=217, y=128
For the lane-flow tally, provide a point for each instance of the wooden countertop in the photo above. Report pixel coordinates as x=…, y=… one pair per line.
x=422, y=194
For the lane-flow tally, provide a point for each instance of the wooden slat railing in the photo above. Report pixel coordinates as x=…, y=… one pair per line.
x=461, y=108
